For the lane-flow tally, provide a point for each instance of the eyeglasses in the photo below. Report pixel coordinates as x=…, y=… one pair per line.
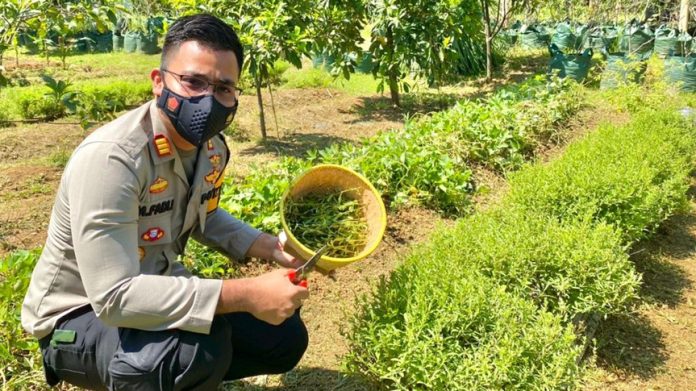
x=197, y=85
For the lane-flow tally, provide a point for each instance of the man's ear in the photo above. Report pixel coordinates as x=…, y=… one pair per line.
x=157, y=76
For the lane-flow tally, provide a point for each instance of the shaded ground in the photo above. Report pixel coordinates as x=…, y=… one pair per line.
x=655, y=347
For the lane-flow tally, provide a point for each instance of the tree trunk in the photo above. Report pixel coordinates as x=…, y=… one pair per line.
x=393, y=70
x=275, y=116
x=489, y=39
x=503, y=12
x=684, y=16
x=394, y=87
x=259, y=98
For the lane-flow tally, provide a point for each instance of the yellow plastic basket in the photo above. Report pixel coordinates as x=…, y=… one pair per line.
x=328, y=178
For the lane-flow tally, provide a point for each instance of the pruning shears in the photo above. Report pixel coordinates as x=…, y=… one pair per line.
x=299, y=275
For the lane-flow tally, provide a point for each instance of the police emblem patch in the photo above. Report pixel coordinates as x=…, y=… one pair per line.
x=153, y=234
x=172, y=103
x=215, y=160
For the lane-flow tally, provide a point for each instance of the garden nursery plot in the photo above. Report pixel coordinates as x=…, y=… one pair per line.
x=541, y=233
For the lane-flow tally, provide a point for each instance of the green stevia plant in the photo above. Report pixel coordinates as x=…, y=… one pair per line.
x=571, y=270
x=427, y=328
x=632, y=177
x=332, y=218
x=256, y=198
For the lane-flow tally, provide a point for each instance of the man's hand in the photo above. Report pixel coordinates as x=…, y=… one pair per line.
x=270, y=297
x=270, y=247
x=277, y=297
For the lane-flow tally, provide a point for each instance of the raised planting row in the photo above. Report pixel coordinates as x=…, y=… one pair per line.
x=490, y=302
x=428, y=161
x=57, y=98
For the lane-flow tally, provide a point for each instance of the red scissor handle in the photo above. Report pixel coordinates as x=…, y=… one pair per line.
x=292, y=275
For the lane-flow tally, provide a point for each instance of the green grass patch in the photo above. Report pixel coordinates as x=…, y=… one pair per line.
x=359, y=84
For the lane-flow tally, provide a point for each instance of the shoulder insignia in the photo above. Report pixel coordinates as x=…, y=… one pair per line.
x=212, y=176
x=159, y=185
x=141, y=253
x=153, y=234
x=215, y=160
x=162, y=146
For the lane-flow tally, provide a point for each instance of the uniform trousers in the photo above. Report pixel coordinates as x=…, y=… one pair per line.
x=111, y=358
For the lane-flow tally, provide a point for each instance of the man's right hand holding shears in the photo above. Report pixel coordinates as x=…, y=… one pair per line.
x=271, y=297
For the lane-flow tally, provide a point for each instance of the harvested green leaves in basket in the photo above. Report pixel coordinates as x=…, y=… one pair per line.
x=331, y=218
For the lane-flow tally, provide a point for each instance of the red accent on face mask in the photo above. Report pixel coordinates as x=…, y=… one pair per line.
x=172, y=103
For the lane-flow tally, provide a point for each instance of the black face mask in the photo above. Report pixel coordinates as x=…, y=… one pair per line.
x=198, y=118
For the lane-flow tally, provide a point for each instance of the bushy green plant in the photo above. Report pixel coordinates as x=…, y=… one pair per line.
x=18, y=350
x=411, y=166
x=34, y=104
x=502, y=132
x=256, y=198
x=633, y=176
x=205, y=262
x=103, y=102
x=308, y=78
x=568, y=269
x=427, y=328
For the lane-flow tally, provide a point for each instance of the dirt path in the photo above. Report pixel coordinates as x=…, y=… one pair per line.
x=655, y=347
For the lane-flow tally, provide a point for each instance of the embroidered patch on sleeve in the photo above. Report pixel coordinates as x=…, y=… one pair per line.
x=159, y=185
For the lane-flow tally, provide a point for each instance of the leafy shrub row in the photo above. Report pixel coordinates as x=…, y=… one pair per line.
x=558, y=241
x=427, y=162
x=502, y=132
x=632, y=177
x=90, y=102
x=430, y=328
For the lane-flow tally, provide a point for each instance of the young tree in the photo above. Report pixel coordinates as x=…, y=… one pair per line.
x=14, y=15
x=66, y=18
x=417, y=36
x=684, y=16
x=496, y=14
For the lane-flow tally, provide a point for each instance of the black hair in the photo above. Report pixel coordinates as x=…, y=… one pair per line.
x=205, y=29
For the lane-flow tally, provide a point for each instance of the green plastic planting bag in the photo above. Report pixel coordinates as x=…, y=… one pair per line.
x=682, y=72
x=130, y=42
x=533, y=37
x=575, y=66
x=684, y=44
x=564, y=37
x=665, y=41
x=602, y=37
x=117, y=42
x=638, y=38
x=621, y=69
x=147, y=43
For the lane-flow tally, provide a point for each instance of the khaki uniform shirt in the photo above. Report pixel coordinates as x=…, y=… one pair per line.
x=123, y=213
